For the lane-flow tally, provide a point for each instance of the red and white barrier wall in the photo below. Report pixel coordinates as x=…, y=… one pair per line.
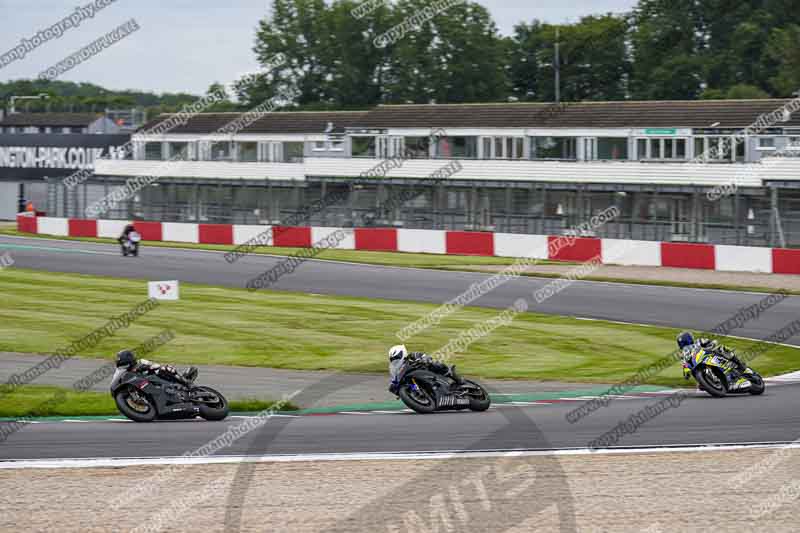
x=611, y=251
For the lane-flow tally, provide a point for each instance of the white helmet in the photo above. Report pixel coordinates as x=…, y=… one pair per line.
x=398, y=352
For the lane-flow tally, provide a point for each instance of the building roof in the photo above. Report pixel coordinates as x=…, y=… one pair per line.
x=725, y=114
x=50, y=119
x=646, y=114
x=274, y=122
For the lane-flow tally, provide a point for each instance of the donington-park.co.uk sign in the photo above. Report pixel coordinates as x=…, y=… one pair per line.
x=52, y=157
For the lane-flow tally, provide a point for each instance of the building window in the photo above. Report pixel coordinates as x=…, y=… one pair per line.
x=457, y=148
x=711, y=149
x=179, y=151
x=503, y=147
x=554, y=148
x=248, y=152
x=417, y=147
x=152, y=151
x=363, y=146
x=661, y=148
x=337, y=146
x=221, y=151
x=766, y=142
x=612, y=148
x=319, y=146
x=293, y=152
x=519, y=148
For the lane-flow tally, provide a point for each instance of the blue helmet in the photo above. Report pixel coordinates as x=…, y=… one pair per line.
x=685, y=339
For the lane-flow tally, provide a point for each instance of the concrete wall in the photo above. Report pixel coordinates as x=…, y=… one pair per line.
x=9, y=200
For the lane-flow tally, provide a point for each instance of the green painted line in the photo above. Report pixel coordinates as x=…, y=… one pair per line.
x=395, y=405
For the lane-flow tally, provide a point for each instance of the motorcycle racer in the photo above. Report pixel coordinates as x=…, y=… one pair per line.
x=689, y=346
x=128, y=359
x=399, y=356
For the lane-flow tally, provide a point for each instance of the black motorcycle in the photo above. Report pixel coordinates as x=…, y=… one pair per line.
x=426, y=391
x=147, y=397
x=130, y=244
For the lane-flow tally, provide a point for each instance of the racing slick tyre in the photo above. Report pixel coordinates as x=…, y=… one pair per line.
x=712, y=381
x=420, y=400
x=135, y=405
x=480, y=402
x=213, y=405
x=757, y=384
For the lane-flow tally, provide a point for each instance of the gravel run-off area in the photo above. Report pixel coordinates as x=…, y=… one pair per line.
x=739, y=490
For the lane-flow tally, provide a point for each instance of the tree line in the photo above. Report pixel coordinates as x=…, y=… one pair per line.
x=662, y=49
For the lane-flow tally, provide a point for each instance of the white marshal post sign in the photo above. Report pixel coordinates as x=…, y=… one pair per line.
x=163, y=290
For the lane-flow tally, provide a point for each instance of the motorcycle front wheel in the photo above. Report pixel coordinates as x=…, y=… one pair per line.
x=480, y=401
x=712, y=381
x=417, y=398
x=757, y=384
x=212, y=404
x=135, y=405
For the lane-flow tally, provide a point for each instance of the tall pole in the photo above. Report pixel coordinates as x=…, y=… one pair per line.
x=557, y=64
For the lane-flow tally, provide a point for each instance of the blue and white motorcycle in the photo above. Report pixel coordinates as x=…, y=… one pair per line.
x=720, y=376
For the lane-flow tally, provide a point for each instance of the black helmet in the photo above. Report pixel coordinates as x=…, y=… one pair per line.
x=685, y=339
x=125, y=358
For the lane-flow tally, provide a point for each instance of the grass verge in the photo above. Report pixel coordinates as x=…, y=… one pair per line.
x=40, y=400
x=635, y=281
x=41, y=312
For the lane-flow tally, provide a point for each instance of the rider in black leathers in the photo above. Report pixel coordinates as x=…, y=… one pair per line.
x=399, y=356
x=126, y=233
x=143, y=366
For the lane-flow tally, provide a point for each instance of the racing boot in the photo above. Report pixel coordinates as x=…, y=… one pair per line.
x=455, y=375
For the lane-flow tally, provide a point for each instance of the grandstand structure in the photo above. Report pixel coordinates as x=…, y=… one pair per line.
x=721, y=172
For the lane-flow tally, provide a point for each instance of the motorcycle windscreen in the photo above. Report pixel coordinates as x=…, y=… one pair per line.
x=395, y=369
x=117, y=376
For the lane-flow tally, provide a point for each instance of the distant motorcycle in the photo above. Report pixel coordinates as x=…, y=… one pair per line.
x=425, y=391
x=130, y=244
x=147, y=397
x=719, y=376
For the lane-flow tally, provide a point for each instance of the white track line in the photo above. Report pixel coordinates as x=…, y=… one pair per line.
x=396, y=456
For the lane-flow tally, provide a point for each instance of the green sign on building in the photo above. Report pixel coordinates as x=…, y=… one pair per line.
x=660, y=131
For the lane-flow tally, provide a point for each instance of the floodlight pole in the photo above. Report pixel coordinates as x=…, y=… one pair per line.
x=557, y=64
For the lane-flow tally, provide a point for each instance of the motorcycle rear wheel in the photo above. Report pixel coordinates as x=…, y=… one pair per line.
x=713, y=384
x=135, y=405
x=420, y=400
x=214, y=411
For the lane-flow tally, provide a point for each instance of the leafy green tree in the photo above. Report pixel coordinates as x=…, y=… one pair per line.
x=296, y=29
x=782, y=48
x=668, y=44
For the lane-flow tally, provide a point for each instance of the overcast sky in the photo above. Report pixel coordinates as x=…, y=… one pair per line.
x=185, y=45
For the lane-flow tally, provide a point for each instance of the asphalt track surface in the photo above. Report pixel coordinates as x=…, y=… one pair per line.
x=699, y=419
x=773, y=417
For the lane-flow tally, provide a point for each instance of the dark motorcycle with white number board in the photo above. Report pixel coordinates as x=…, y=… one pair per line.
x=425, y=391
x=146, y=397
